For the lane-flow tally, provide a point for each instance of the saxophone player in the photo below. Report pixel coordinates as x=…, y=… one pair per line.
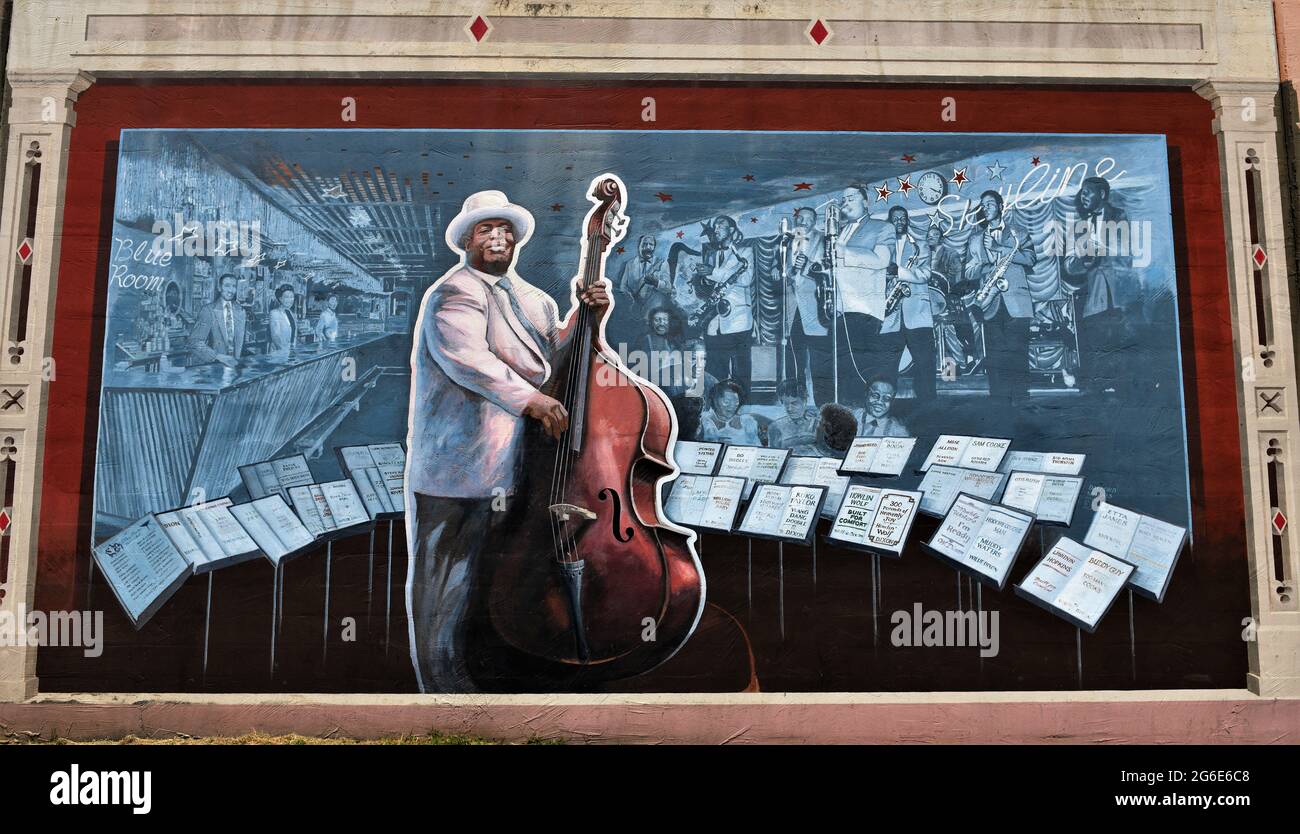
x=729, y=332
x=911, y=323
x=1007, y=313
x=806, y=334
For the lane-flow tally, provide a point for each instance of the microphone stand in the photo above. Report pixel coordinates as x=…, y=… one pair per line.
x=832, y=233
x=783, y=249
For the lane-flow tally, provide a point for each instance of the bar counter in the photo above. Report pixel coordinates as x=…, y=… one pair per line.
x=165, y=434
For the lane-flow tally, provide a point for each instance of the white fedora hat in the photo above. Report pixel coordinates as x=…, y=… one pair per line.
x=488, y=205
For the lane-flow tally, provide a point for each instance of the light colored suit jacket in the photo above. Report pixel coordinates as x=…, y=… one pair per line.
x=283, y=331
x=801, y=288
x=739, y=293
x=474, y=367
x=913, y=312
x=860, y=273
x=1019, y=302
x=208, y=338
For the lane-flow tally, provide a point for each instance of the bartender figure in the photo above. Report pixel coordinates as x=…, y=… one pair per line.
x=218, y=335
x=327, y=326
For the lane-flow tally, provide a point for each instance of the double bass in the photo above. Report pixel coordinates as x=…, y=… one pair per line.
x=592, y=585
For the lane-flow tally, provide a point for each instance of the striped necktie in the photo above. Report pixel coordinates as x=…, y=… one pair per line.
x=542, y=344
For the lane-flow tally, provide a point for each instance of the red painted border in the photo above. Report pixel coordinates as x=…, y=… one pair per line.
x=108, y=107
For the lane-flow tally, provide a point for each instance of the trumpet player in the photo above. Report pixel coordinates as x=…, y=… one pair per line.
x=806, y=334
x=1000, y=242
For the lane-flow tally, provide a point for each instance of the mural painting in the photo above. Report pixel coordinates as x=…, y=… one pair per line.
x=573, y=363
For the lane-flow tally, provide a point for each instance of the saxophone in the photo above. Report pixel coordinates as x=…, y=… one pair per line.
x=995, y=280
x=901, y=289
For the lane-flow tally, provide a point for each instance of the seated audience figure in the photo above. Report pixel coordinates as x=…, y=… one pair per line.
x=722, y=421
x=798, y=425
x=876, y=419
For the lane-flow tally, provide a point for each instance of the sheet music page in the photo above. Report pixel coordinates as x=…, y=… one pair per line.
x=1089, y=592
x=304, y=506
x=721, y=502
x=1060, y=494
x=323, y=508
x=893, y=455
x=292, y=471
x=344, y=503
x=894, y=516
x=176, y=531
x=940, y=486
x=1023, y=491
x=357, y=457
x=764, y=513
x=388, y=454
x=853, y=521
x=861, y=454
x=1054, y=570
x=959, y=527
x=261, y=532
x=947, y=450
x=800, y=513
x=696, y=458
x=287, y=527
x=140, y=564
x=226, y=530
x=202, y=534
x=997, y=542
x=1154, y=549
x=686, y=499
x=394, y=476
x=984, y=453
x=380, y=487
x=1112, y=529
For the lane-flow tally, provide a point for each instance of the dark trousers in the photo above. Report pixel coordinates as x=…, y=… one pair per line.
x=810, y=356
x=1006, y=345
x=920, y=343
x=729, y=357
x=861, y=357
x=1100, y=343
x=447, y=540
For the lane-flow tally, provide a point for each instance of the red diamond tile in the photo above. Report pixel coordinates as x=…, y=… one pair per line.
x=479, y=28
x=1259, y=257
x=25, y=250
x=1279, y=522
x=4, y=522
x=819, y=32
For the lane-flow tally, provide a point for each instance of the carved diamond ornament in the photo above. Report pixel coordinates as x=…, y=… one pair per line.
x=1258, y=256
x=1279, y=522
x=819, y=32
x=479, y=28
x=25, y=251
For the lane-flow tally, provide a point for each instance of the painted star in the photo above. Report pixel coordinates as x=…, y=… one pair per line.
x=995, y=170
x=748, y=178
x=803, y=186
x=753, y=220
x=959, y=177
x=1036, y=162
x=883, y=192
x=907, y=157
x=905, y=185
x=556, y=206
x=663, y=198
x=681, y=234
x=619, y=251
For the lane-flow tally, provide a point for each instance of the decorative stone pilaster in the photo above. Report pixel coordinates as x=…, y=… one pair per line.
x=1246, y=126
x=40, y=122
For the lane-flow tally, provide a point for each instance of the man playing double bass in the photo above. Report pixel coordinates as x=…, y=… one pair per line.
x=482, y=350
